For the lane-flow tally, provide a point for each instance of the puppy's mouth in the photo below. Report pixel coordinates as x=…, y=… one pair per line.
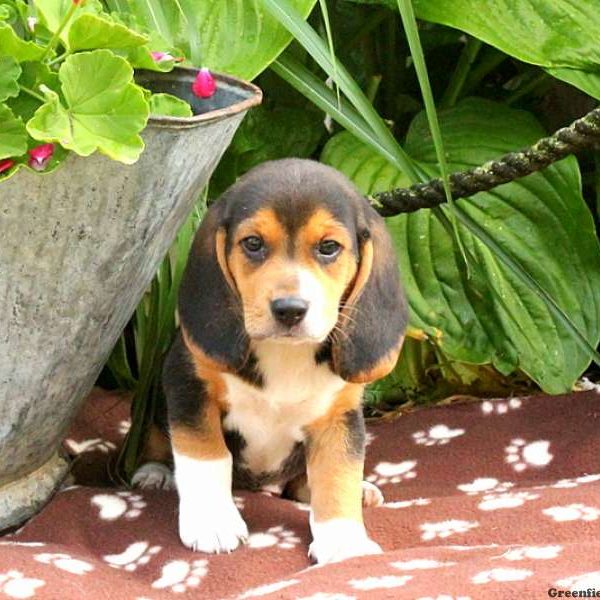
x=289, y=335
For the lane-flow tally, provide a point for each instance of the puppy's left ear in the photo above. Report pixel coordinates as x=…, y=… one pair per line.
x=374, y=316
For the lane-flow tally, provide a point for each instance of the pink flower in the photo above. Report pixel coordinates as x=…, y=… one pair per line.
x=161, y=56
x=40, y=156
x=204, y=85
x=6, y=164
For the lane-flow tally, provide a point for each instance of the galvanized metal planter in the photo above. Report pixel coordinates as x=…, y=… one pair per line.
x=78, y=247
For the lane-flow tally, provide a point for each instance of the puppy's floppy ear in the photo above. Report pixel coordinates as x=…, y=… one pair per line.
x=374, y=316
x=209, y=306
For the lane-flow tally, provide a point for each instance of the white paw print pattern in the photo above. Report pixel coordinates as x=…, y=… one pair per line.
x=531, y=552
x=506, y=500
x=122, y=504
x=124, y=426
x=65, y=562
x=375, y=583
x=444, y=529
x=575, y=481
x=522, y=455
x=386, y=472
x=500, y=407
x=95, y=445
x=180, y=575
x=133, y=557
x=369, y=438
x=15, y=585
x=420, y=563
x=269, y=588
x=274, y=536
x=572, y=512
x=501, y=574
x=485, y=484
x=407, y=503
x=438, y=435
x=581, y=582
x=239, y=502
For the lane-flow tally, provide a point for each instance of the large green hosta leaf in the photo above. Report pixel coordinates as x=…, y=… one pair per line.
x=557, y=34
x=235, y=36
x=542, y=220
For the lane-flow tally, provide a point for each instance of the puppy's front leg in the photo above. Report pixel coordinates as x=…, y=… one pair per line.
x=209, y=521
x=335, y=471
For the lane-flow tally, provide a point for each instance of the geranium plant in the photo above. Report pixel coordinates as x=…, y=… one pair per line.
x=67, y=83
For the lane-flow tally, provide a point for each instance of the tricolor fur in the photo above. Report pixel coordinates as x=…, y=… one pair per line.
x=290, y=303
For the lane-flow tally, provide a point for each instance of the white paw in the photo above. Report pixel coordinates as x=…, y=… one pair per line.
x=153, y=476
x=339, y=539
x=217, y=530
x=372, y=495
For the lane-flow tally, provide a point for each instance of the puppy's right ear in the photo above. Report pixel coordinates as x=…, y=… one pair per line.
x=210, y=308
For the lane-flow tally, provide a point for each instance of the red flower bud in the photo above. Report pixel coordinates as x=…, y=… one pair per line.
x=204, y=85
x=6, y=164
x=40, y=156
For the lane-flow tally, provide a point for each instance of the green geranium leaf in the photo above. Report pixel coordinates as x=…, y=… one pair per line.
x=51, y=13
x=169, y=106
x=587, y=81
x=12, y=45
x=10, y=71
x=104, y=109
x=13, y=136
x=6, y=14
x=34, y=75
x=90, y=31
x=542, y=220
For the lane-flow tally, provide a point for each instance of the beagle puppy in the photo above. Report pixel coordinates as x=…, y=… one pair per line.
x=289, y=305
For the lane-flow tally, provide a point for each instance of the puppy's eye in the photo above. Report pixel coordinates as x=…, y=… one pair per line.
x=253, y=245
x=328, y=249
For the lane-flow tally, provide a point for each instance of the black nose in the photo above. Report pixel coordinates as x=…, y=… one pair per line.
x=289, y=311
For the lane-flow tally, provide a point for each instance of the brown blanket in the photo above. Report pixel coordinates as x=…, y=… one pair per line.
x=498, y=499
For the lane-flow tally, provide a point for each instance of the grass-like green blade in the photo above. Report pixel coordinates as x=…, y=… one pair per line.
x=297, y=75
x=289, y=17
x=409, y=22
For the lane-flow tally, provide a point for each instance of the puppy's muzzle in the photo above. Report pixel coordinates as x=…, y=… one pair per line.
x=289, y=311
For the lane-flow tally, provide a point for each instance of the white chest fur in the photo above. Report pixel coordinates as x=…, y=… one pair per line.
x=271, y=419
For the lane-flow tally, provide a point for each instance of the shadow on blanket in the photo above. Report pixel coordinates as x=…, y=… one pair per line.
x=498, y=499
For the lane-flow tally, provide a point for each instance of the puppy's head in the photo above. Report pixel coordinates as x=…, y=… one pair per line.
x=293, y=253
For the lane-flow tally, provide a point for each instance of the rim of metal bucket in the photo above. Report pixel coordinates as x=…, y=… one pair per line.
x=254, y=99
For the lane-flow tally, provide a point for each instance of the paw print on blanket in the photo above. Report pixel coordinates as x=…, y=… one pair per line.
x=386, y=472
x=65, y=562
x=531, y=552
x=438, y=435
x=95, y=445
x=500, y=407
x=501, y=574
x=180, y=575
x=573, y=512
x=574, y=481
x=580, y=582
x=444, y=529
x=522, y=455
x=15, y=585
x=133, y=557
x=506, y=500
x=383, y=582
x=122, y=504
x=274, y=536
x=485, y=484
x=407, y=503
